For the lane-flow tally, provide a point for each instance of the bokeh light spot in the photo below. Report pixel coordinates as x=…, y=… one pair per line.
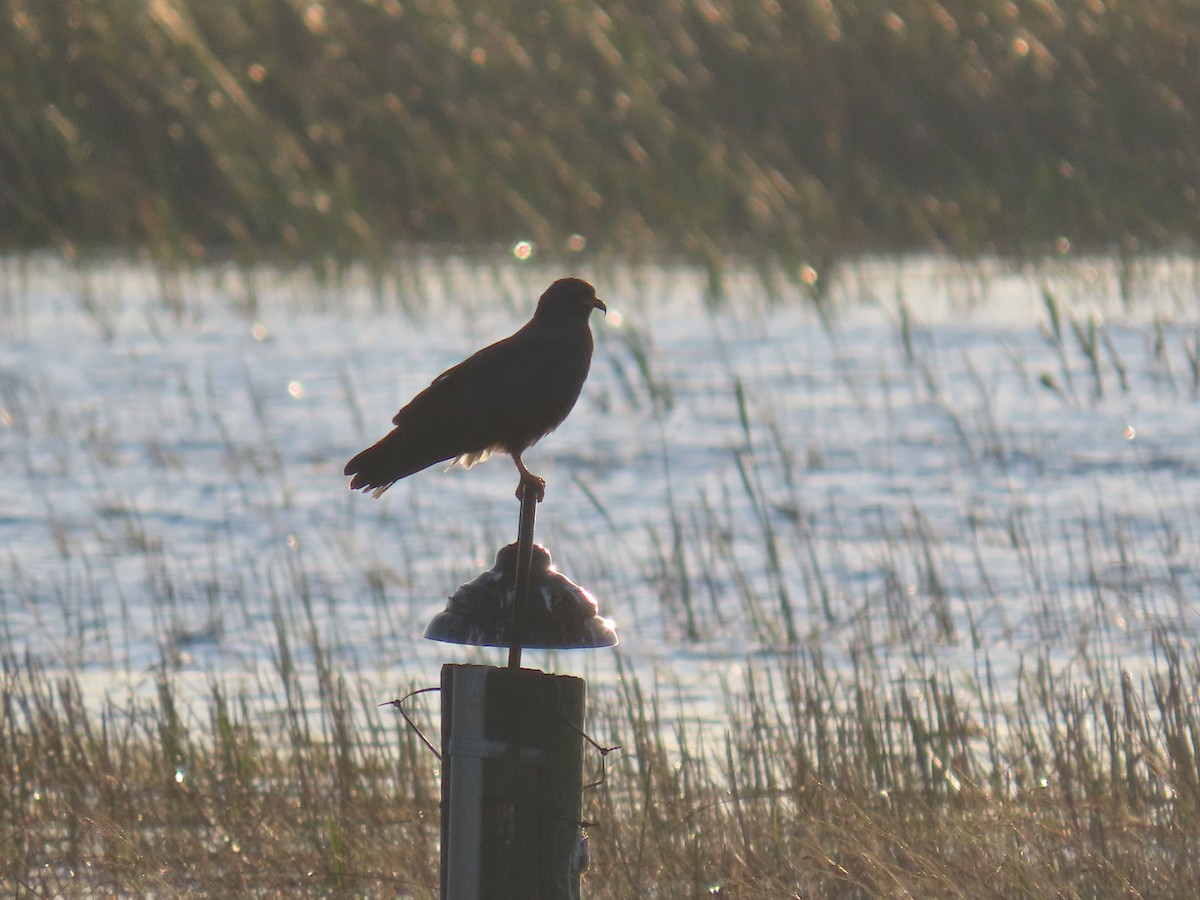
x=314, y=18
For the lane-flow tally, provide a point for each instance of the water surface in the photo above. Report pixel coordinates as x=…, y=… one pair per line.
x=925, y=477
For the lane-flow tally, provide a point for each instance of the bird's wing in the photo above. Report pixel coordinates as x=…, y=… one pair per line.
x=470, y=407
x=488, y=377
x=457, y=415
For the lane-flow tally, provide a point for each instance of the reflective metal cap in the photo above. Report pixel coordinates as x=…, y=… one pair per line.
x=557, y=614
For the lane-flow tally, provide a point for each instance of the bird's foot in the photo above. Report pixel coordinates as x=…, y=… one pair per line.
x=529, y=480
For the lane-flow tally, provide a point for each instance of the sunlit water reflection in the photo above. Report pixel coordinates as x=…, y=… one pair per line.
x=927, y=477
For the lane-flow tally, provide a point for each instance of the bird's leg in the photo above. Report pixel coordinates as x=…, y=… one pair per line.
x=529, y=479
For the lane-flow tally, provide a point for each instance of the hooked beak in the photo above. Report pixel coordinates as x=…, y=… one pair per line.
x=600, y=306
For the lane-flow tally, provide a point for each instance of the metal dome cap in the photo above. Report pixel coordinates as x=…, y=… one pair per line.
x=557, y=613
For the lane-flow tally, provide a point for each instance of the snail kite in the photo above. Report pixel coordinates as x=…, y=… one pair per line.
x=503, y=399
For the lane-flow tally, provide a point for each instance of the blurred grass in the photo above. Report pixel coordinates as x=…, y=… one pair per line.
x=795, y=130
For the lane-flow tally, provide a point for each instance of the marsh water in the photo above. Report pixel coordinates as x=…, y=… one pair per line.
x=945, y=467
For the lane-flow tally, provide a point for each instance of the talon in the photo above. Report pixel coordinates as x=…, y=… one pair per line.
x=528, y=478
x=538, y=484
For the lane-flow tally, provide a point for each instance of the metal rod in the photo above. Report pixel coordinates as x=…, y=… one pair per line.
x=529, y=502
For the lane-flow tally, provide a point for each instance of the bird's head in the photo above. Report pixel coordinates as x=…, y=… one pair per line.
x=569, y=298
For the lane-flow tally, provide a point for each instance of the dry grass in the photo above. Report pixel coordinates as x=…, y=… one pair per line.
x=844, y=788
x=129, y=801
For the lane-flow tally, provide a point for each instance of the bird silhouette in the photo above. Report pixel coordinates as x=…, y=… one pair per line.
x=504, y=398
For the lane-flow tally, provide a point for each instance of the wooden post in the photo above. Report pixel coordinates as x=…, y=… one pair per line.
x=512, y=783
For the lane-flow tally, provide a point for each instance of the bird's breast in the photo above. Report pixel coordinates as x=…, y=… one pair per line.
x=555, y=379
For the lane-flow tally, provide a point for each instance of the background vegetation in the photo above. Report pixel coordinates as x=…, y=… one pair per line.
x=795, y=128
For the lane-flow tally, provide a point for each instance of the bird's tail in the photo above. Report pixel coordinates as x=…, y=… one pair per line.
x=383, y=464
